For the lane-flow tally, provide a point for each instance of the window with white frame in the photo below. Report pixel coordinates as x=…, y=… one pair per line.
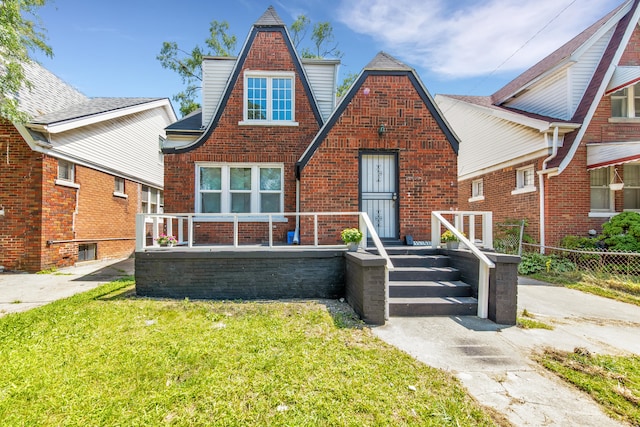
x=269, y=98
x=601, y=195
x=626, y=102
x=631, y=193
x=66, y=171
x=118, y=185
x=151, y=200
x=477, y=188
x=525, y=178
x=238, y=188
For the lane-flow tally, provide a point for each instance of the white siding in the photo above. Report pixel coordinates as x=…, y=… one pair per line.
x=127, y=145
x=485, y=140
x=322, y=79
x=215, y=74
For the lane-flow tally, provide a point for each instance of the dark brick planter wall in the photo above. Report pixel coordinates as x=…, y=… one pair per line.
x=243, y=274
x=366, y=286
x=503, y=282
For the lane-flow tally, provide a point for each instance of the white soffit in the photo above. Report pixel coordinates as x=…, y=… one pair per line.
x=603, y=154
x=623, y=77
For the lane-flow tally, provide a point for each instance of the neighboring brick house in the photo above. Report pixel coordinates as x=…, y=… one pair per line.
x=547, y=146
x=271, y=139
x=73, y=178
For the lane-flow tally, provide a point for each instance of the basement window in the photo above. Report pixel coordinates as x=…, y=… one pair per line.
x=87, y=252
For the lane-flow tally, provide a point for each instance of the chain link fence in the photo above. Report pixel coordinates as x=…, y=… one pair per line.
x=590, y=261
x=508, y=237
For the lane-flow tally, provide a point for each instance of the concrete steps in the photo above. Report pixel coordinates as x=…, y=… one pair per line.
x=423, y=283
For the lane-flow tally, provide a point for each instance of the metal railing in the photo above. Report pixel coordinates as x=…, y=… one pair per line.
x=467, y=220
x=186, y=221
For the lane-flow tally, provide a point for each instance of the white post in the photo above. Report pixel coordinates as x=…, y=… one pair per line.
x=141, y=239
x=169, y=226
x=154, y=232
x=472, y=228
x=487, y=230
x=235, y=231
x=362, y=226
x=315, y=230
x=435, y=231
x=190, y=230
x=483, y=291
x=180, y=227
x=270, y=230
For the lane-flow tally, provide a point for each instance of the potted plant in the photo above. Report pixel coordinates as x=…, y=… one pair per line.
x=352, y=237
x=165, y=240
x=450, y=239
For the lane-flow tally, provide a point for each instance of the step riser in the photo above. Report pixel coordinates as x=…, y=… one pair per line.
x=405, y=291
x=426, y=261
x=408, y=276
x=415, y=310
x=406, y=250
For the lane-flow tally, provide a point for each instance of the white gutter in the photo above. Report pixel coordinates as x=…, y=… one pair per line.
x=541, y=173
x=296, y=234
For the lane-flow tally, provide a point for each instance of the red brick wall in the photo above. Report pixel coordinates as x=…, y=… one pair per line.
x=20, y=195
x=37, y=210
x=231, y=143
x=426, y=162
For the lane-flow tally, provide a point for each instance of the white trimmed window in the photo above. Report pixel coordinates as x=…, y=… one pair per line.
x=477, y=190
x=525, y=180
x=631, y=186
x=626, y=102
x=269, y=98
x=239, y=188
x=66, y=171
x=601, y=194
x=151, y=200
x=118, y=185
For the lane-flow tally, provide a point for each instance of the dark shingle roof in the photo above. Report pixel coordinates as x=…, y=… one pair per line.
x=90, y=107
x=384, y=61
x=269, y=18
x=190, y=122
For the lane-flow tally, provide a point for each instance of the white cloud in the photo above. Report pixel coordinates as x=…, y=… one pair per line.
x=465, y=38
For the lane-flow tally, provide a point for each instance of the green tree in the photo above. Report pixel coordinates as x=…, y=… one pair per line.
x=348, y=80
x=21, y=35
x=322, y=37
x=188, y=64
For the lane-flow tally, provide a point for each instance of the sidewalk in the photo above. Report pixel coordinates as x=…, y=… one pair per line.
x=494, y=362
x=22, y=291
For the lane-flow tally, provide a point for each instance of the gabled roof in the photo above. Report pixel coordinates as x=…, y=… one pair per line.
x=268, y=22
x=551, y=61
x=192, y=122
x=382, y=64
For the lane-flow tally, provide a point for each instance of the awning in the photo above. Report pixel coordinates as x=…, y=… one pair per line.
x=623, y=77
x=603, y=154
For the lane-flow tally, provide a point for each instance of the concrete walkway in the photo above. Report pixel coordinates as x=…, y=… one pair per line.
x=494, y=362
x=22, y=291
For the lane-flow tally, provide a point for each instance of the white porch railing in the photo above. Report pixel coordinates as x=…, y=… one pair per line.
x=160, y=221
x=467, y=221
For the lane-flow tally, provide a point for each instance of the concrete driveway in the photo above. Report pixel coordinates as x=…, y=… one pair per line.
x=494, y=362
x=22, y=291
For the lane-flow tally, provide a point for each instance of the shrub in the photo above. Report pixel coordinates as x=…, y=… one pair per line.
x=534, y=262
x=622, y=232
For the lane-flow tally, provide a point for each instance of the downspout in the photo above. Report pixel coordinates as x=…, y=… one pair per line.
x=545, y=171
x=296, y=234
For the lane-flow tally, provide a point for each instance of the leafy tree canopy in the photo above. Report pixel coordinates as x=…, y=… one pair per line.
x=21, y=35
x=188, y=64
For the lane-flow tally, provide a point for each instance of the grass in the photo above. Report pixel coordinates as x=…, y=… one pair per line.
x=106, y=357
x=613, y=381
x=527, y=320
x=609, y=286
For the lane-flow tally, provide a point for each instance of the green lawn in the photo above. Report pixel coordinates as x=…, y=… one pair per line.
x=613, y=381
x=106, y=357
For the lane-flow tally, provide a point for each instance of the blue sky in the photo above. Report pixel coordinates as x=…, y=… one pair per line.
x=472, y=47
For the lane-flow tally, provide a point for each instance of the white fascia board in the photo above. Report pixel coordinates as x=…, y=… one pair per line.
x=633, y=23
x=49, y=151
x=540, y=125
x=531, y=157
x=67, y=125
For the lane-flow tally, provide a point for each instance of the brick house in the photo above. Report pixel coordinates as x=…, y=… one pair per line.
x=270, y=138
x=547, y=146
x=73, y=178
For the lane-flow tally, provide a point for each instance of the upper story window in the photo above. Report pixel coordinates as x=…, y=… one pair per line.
x=66, y=171
x=626, y=102
x=118, y=186
x=525, y=180
x=269, y=98
x=151, y=200
x=239, y=188
x=631, y=192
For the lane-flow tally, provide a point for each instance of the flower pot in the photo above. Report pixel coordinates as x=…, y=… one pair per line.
x=166, y=245
x=352, y=246
x=452, y=245
x=616, y=186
